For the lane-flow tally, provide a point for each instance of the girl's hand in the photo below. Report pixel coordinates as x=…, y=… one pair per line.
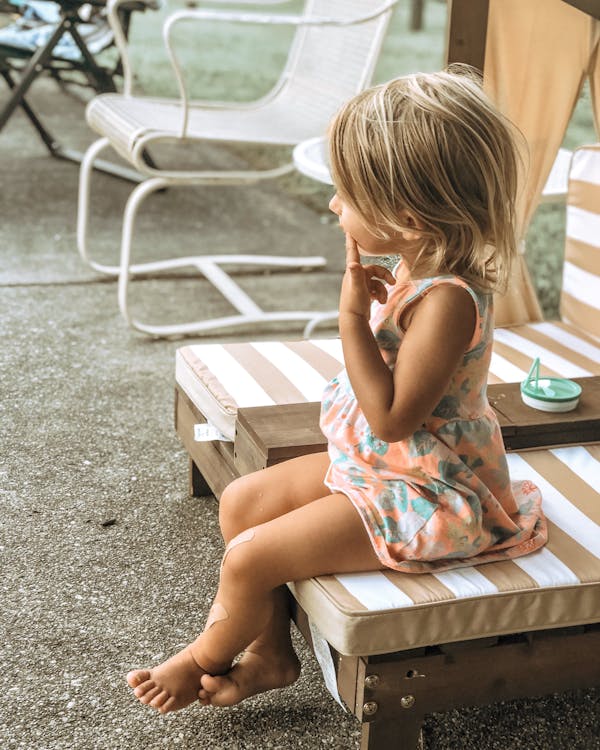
x=362, y=284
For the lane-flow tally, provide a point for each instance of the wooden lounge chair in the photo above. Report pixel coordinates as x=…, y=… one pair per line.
x=402, y=646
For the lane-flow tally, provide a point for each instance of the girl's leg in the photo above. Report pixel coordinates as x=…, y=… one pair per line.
x=249, y=501
x=326, y=536
x=270, y=661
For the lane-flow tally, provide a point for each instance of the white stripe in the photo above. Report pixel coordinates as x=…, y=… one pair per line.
x=505, y=370
x=582, y=463
x=333, y=347
x=374, y=591
x=557, y=508
x=568, y=339
x=556, y=363
x=558, y=179
x=583, y=226
x=307, y=380
x=466, y=582
x=234, y=378
x=585, y=166
x=582, y=285
x=546, y=568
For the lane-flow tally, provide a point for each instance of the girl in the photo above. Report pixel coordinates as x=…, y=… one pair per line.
x=415, y=477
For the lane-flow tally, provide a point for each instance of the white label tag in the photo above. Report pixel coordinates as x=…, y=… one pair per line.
x=206, y=433
x=323, y=654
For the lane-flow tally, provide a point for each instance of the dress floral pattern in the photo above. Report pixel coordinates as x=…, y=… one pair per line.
x=442, y=498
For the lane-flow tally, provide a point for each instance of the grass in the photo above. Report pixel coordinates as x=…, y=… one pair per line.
x=242, y=62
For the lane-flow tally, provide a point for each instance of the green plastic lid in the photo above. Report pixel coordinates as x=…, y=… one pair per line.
x=549, y=394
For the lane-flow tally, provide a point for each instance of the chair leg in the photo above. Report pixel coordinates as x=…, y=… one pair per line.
x=208, y=265
x=45, y=135
x=198, y=486
x=90, y=162
x=392, y=735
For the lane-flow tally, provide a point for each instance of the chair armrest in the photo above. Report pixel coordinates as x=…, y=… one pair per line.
x=112, y=8
x=237, y=16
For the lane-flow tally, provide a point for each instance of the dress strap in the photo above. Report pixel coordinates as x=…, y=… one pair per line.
x=422, y=287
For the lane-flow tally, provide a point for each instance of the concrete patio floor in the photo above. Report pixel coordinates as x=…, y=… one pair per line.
x=106, y=561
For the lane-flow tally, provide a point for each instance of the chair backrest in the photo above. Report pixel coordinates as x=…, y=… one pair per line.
x=327, y=65
x=580, y=296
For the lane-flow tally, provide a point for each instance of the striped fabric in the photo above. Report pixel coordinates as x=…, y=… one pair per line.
x=558, y=586
x=580, y=298
x=220, y=377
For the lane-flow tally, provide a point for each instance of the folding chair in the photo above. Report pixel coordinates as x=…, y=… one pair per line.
x=61, y=38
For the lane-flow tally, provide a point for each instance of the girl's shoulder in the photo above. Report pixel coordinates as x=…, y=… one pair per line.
x=425, y=286
x=404, y=300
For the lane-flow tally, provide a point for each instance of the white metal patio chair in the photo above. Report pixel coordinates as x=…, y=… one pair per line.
x=332, y=57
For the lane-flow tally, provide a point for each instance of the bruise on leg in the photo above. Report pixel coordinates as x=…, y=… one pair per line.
x=216, y=614
x=217, y=611
x=244, y=536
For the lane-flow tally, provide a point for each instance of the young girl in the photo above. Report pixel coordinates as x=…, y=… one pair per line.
x=415, y=478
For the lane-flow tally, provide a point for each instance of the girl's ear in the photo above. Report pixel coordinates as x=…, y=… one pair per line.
x=414, y=226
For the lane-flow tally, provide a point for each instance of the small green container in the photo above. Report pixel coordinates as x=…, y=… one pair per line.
x=549, y=394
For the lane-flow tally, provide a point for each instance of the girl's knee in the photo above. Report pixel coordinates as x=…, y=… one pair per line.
x=248, y=561
x=236, y=506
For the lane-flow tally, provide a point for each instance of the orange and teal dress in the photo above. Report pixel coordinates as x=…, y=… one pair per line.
x=441, y=498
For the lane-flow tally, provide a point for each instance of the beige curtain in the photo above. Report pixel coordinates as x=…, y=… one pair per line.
x=538, y=54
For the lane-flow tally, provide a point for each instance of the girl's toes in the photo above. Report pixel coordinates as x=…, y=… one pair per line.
x=144, y=688
x=204, y=697
x=137, y=676
x=167, y=706
x=149, y=695
x=209, y=683
x=159, y=699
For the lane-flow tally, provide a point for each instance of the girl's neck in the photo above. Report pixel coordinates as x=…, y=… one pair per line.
x=418, y=271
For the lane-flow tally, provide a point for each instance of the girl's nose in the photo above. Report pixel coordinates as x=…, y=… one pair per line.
x=334, y=204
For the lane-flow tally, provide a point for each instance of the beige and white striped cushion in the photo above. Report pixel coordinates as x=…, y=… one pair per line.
x=557, y=586
x=220, y=377
x=580, y=297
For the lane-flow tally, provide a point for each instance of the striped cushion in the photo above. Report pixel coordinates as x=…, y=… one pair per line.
x=580, y=297
x=559, y=585
x=220, y=377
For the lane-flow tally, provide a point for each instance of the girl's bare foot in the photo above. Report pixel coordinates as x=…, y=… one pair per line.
x=256, y=672
x=172, y=685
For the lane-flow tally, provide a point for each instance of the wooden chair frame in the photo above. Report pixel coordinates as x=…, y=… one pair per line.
x=390, y=694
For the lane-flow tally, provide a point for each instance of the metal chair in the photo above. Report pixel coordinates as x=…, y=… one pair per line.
x=63, y=39
x=332, y=57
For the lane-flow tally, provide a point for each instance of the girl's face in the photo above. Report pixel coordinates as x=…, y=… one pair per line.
x=353, y=224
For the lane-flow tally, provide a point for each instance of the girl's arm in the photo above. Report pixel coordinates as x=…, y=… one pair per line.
x=397, y=403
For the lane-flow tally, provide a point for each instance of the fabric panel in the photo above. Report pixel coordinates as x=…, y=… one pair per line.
x=580, y=301
x=537, y=56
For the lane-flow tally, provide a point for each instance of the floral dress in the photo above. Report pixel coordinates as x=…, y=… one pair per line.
x=441, y=498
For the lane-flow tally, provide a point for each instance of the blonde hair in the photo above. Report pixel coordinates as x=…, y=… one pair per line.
x=434, y=145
